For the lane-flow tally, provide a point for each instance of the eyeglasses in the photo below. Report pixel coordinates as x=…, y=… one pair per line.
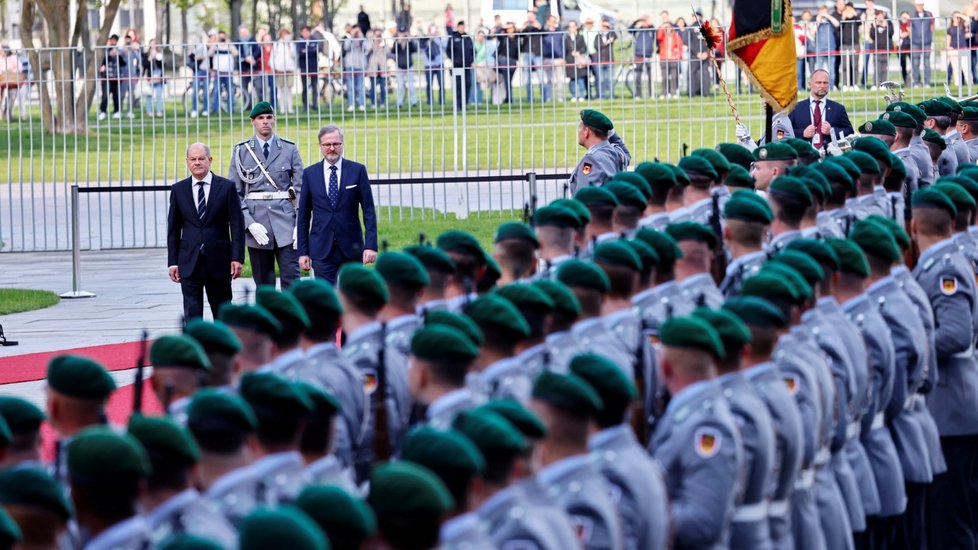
x=331, y=145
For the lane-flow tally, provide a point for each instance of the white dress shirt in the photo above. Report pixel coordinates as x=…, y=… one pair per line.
x=339, y=174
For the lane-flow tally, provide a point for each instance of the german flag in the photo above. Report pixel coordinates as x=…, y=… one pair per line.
x=761, y=41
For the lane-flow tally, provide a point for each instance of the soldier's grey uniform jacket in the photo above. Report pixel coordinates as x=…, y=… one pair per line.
x=968, y=243
x=659, y=221
x=698, y=446
x=465, y=532
x=913, y=174
x=442, y=411
x=921, y=157
x=831, y=224
x=636, y=486
x=865, y=206
x=955, y=143
x=362, y=350
x=602, y=161
x=535, y=359
x=972, y=145
x=400, y=330
x=875, y=436
x=628, y=327
x=910, y=352
x=624, y=154
x=506, y=378
x=547, y=269
x=515, y=521
x=594, y=336
x=130, y=534
x=285, y=167
x=750, y=527
x=187, y=512
x=739, y=270
x=767, y=379
x=328, y=470
x=234, y=494
x=947, y=277
x=279, y=478
x=781, y=240
x=576, y=487
x=325, y=366
x=701, y=290
x=947, y=163
x=665, y=301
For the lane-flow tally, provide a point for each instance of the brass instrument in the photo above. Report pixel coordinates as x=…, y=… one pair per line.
x=947, y=92
x=894, y=91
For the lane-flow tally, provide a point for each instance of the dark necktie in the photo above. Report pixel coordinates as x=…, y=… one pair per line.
x=334, y=187
x=201, y=201
x=817, y=122
x=266, y=150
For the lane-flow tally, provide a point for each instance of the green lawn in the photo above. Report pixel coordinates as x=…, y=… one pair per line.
x=15, y=300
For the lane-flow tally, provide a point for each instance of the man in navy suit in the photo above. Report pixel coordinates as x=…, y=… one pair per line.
x=818, y=118
x=333, y=192
x=204, y=235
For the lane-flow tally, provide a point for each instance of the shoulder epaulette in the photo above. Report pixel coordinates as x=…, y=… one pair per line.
x=286, y=141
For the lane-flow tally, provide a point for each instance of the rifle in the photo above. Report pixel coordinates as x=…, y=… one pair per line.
x=640, y=416
x=718, y=268
x=137, y=390
x=378, y=403
x=912, y=255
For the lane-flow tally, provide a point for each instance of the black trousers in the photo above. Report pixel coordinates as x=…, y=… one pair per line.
x=263, y=265
x=310, y=87
x=951, y=503
x=110, y=87
x=328, y=268
x=909, y=531
x=193, y=286
x=462, y=87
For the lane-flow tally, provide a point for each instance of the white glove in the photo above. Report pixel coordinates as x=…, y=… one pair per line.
x=295, y=238
x=259, y=232
x=834, y=150
x=742, y=131
x=747, y=142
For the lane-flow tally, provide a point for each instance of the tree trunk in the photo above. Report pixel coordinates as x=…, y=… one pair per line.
x=254, y=16
x=162, y=22
x=40, y=75
x=184, y=27
x=295, y=18
x=235, y=6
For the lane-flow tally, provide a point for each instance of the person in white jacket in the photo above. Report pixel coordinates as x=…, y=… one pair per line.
x=284, y=65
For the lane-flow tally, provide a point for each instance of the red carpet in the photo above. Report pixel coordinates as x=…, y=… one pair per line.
x=33, y=366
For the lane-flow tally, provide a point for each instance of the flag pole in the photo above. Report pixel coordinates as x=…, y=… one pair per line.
x=712, y=41
x=768, y=122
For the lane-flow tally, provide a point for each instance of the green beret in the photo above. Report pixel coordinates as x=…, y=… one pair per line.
x=695, y=165
x=597, y=120
x=346, y=519
x=494, y=436
x=898, y=171
x=818, y=250
x=802, y=148
x=851, y=257
x=79, y=377
x=613, y=387
x=931, y=136
x=770, y=285
x=556, y=215
x=958, y=195
x=271, y=391
x=968, y=179
x=866, y=163
x=448, y=453
x=635, y=180
x=833, y=173
x=818, y=185
x=875, y=148
x=775, y=151
x=460, y=242
x=354, y=280
x=663, y=244
x=317, y=295
x=660, y=177
x=432, y=258
x=578, y=273
x=933, y=107
x=35, y=488
x=691, y=332
x=899, y=119
x=443, y=343
x=493, y=313
x=404, y=489
x=793, y=277
x=99, y=455
x=692, y=231
x=875, y=240
x=490, y=275
x=283, y=305
x=756, y=312
x=214, y=337
x=525, y=296
x=737, y=154
x=748, y=206
x=970, y=114
x=565, y=302
x=280, y=527
x=404, y=269
x=567, y=392
x=899, y=235
x=850, y=167
x=9, y=530
x=518, y=416
x=647, y=254
x=262, y=108
x=229, y=409
x=804, y=264
x=951, y=103
x=591, y=195
x=881, y=127
x=739, y=177
x=163, y=438
x=934, y=198
x=250, y=317
x=617, y=253
x=625, y=194
x=21, y=416
x=461, y=323
x=517, y=231
x=183, y=541
x=324, y=403
x=719, y=162
x=178, y=351
x=915, y=112
x=733, y=333
x=577, y=207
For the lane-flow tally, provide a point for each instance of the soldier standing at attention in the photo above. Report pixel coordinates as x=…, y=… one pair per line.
x=603, y=158
x=267, y=171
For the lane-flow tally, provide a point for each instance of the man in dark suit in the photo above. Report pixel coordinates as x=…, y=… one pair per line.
x=333, y=192
x=204, y=235
x=818, y=118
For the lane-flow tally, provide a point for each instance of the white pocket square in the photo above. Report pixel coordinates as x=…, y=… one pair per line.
x=351, y=186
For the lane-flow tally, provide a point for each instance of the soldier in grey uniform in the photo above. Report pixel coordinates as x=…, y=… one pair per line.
x=789, y=199
x=222, y=348
x=556, y=227
x=947, y=277
x=322, y=465
x=405, y=277
x=918, y=149
x=440, y=359
x=267, y=171
x=748, y=219
x=953, y=136
x=39, y=503
x=567, y=310
x=503, y=326
x=287, y=355
x=536, y=307
x=440, y=269
x=902, y=147
x=603, y=158
x=178, y=507
x=696, y=284
x=968, y=127
x=939, y=120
